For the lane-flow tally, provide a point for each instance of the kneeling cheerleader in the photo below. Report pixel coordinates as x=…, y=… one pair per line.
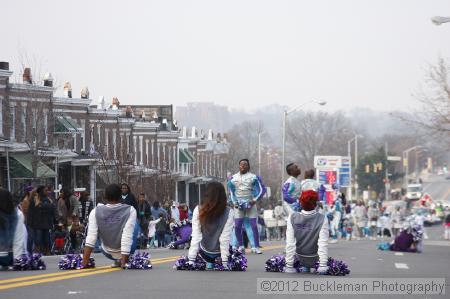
x=307, y=243
x=212, y=226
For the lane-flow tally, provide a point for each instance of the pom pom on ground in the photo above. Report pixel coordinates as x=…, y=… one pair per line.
x=73, y=262
x=335, y=267
x=236, y=260
x=276, y=263
x=183, y=264
x=29, y=262
x=383, y=246
x=139, y=261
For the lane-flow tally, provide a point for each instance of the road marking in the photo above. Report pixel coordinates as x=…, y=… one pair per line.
x=52, y=279
x=399, y=253
x=31, y=277
x=401, y=266
x=436, y=243
x=69, y=274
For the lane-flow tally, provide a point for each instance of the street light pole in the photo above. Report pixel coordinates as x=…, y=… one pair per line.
x=283, y=154
x=285, y=113
x=406, y=162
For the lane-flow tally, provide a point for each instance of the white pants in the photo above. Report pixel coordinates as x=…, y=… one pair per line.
x=335, y=224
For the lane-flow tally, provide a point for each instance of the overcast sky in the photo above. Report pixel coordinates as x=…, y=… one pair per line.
x=239, y=53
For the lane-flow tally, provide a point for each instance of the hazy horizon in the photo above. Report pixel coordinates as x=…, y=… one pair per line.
x=243, y=54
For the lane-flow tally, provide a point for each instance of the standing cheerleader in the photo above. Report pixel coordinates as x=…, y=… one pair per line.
x=246, y=189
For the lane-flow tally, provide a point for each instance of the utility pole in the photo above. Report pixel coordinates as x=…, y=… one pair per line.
x=386, y=173
x=259, y=153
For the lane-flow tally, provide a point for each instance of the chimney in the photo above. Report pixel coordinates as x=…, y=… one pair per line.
x=193, y=132
x=4, y=65
x=48, y=80
x=67, y=89
x=115, y=103
x=101, y=102
x=210, y=134
x=85, y=93
x=26, y=77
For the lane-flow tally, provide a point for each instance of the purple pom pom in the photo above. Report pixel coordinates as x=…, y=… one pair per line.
x=74, y=262
x=29, y=262
x=139, y=261
x=183, y=264
x=276, y=263
x=236, y=260
x=335, y=267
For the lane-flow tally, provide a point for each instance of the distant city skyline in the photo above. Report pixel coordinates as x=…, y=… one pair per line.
x=243, y=54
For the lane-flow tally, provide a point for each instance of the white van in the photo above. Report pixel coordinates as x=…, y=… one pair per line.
x=414, y=192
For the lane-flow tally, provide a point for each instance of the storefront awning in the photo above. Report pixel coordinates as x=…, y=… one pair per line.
x=21, y=166
x=190, y=155
x=65, y=124
x=184, y=157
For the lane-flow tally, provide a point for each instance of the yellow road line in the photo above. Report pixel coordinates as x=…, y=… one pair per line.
x=31, y=277
x=51, y=277
x=64, y=273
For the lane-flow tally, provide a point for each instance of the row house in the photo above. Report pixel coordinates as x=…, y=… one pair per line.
x=81, y=143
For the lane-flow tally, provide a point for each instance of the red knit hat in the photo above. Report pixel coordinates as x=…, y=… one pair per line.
x=308, y=200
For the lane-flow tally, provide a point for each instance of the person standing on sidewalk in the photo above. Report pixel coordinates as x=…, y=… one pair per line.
x=292, y=189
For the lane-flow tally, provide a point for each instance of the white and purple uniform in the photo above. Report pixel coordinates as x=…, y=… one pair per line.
x=292, y=189
x=245, y=189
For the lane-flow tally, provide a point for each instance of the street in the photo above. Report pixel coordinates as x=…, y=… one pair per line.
x=364, y=261
x=362, y=256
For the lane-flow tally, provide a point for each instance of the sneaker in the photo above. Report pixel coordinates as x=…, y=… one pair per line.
x=116, y=264
x=256, y=251
x=241, y=249
x=332, y=241
x=209, y=266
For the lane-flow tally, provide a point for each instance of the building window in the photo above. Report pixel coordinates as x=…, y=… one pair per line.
x=24, y=122
x=1, y=117
x=114, y=145
x=45, y=127
x=141, y=150
x=107, y=143
x=12, y=113
x=34, y=125
x=82, y=136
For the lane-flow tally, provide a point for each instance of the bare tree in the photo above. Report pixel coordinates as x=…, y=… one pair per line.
x=317, y=133
x=434, y=96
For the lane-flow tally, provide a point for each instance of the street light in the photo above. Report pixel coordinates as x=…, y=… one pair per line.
x=355, y=138
x=285, y=115
x=440, y=20
x=406, y=161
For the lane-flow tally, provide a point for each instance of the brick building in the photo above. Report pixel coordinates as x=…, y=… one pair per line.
x=81, y=143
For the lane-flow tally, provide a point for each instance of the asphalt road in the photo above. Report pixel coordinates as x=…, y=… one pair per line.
x=438, y=187
x=163, y=282
x=364, y=260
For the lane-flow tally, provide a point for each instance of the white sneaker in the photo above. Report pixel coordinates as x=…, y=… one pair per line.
x=116, y=264
x=256, y=251
x=332, y=241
